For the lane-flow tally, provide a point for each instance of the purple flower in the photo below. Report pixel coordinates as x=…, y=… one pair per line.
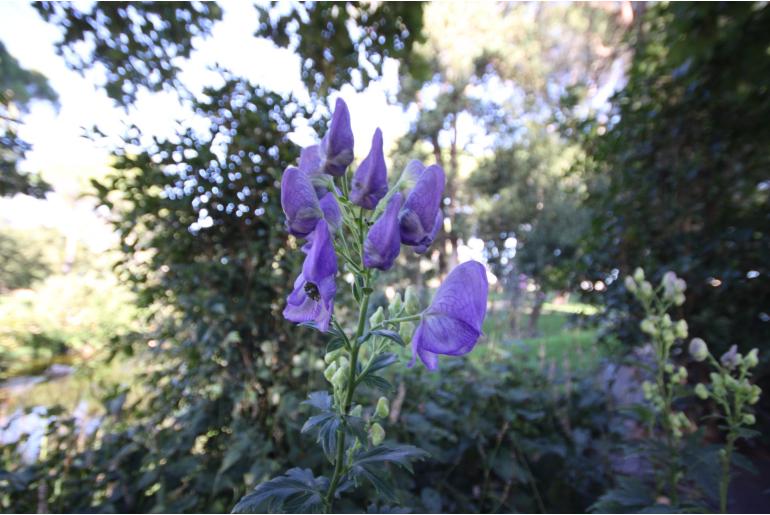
x=331, y=211
x=299, y=202
x=370, y=182
x=314, y=289
x=452, y=323
x=336, y=150
x=383, y=243
x=419, y=214
x=420, y=249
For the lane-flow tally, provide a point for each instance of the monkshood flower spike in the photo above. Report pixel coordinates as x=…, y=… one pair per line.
x=452, y=323
x=315, y=288
x=419, y=213
x=370, y=182
x=383, y=243
x=336, y=150
x=355, y=223
x=299, y=202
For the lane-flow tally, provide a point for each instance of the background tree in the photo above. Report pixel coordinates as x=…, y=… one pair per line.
x=18, y=87
x=136, y=45
x=677, y=175
x=494, y=73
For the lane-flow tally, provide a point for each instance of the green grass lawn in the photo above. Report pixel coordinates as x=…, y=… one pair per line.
x=559, y=340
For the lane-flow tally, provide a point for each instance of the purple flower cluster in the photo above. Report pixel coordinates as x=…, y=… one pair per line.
x=452, y=324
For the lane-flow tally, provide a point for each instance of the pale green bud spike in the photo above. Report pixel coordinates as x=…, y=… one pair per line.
x=396, y=305
x=357, y=411
x=701, y=391
x=376, y=434
x=411, y=301
x=377, y=317
x=752, y=358
x=406, y=331
x=334, y=355
x=339, y=378
x=681, y=329
x=749, y=419
x=383, y=409
x=330, y=370
x=630, y=284
x=647, y=326
x=639, y=275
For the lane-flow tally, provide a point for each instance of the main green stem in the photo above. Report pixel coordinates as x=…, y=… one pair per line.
x=724, y=483
x=348, y=400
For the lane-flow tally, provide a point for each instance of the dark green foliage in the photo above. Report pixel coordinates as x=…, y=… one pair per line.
x=297, y=491
x=24, y=260
x=505, y=437
x=331, y=53
x=679, y=180
x=200, y=226
x=138, y=44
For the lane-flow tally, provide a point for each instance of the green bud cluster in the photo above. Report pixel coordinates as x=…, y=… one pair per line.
x=376, y=434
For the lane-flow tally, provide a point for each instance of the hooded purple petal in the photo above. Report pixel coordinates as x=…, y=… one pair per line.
x=383, y=243
x=310, y=160
x=315, y=288
x=336, y=148
x=418, y=216
x=299, y=202
x=370, y=182
x=452, y=323
x=331, y=210
x=420, y=249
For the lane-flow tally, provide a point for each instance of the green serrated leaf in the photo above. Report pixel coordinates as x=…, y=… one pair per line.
x=296, y=491
x=385, y=333
x=381, y=361
x=401, y=455
x=378, y=382
x=316, y=420
x=320, y=400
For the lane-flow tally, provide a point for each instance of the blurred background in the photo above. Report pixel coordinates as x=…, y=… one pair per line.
x=144, y=364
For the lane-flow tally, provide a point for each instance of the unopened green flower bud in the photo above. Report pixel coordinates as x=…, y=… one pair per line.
x=647, y=326
x=669, y=368
x=376, y=434
x=749, y=419
x=630, y=284
x=377, y=317
x=645, y=289
x=334, y=355
x=701, y=391
x=679, y=299
x=680, y=329
x=756, y=392
x=396, y=305
x=682, y=375
x=669, y=284
x=411, y=301
x=383, y=409
x=340, y=378
x=681, y=286
x=405, y=331
x=752, y=358
x=698, y=349
x=330, y=371
x=639, y=275
x=357, y=411
x=666, y=320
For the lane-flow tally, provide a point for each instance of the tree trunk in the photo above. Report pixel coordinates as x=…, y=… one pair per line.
x=537, y=309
